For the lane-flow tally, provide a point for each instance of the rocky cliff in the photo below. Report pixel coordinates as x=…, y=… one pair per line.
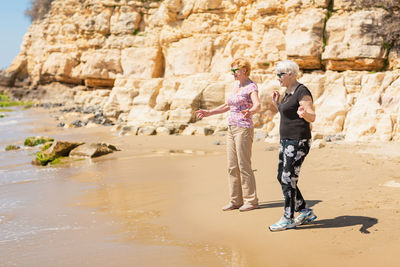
x=155, y=62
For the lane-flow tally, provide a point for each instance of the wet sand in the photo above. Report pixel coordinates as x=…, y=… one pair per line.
x=157, y=203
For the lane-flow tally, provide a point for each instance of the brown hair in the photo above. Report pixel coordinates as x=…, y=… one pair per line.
x=242, y=63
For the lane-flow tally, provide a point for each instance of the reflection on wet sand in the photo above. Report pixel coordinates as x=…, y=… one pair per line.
x=157, y=203
x=136, y=206
x=94, y=211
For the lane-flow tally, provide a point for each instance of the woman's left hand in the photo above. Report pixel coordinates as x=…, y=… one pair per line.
x=306, y=109
x=246, y=113
x=301, y=111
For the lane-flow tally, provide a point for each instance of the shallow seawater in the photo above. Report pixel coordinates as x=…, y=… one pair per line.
x=78, y=214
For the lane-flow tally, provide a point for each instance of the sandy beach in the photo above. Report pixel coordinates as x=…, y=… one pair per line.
x=157, y=202
x=139, y=81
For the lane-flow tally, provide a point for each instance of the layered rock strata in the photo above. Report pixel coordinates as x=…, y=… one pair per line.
x=153, y=63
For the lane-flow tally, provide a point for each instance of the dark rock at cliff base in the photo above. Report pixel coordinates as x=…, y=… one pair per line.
x=99, y=118
x=79, y=123
x=49, y=105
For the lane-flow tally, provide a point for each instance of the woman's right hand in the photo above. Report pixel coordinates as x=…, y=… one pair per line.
x=201, y=113
x=275, y=97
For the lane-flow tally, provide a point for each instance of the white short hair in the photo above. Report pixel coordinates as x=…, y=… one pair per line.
x=287, y=66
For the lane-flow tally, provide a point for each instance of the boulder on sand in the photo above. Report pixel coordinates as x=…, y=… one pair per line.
x=57, y=149
x=93, y=150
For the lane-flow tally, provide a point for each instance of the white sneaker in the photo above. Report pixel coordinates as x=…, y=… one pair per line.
x=305, y=216
x=283, y=224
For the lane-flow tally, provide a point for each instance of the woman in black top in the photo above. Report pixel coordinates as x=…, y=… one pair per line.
x=297, y=112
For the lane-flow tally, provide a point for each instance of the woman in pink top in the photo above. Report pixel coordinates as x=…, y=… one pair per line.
x=242, y=104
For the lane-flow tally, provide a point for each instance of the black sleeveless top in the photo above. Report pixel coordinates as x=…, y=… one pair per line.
x=292, y=126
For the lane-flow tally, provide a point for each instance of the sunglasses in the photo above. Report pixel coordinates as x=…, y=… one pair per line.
x=281, y=74
x=234, y=71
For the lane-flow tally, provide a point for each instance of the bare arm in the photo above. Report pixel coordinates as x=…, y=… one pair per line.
x=256, y=105
x=306, y=109
x=201, y=113
x=275, y=99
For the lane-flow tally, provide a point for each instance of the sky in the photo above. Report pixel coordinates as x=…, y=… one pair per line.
x=13, y=25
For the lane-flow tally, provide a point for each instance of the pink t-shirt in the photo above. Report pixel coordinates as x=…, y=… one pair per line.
x=241, y=101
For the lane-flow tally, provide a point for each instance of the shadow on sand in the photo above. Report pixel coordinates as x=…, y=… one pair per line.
x=342, y=221
x=279, y=203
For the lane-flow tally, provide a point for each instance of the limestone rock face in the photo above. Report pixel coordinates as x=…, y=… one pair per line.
x=273, y=47
x=194, y=91
x=389, y=102
x=99, y=22
x=368, y=120
x=304, y=38
x=17, y=69
x=142, y=111
x=92, y=98
x=125, y=22
x=351, y=45
x=331, y=105
x=121, y=96
x=149, y=65
x=166, y=94
x=59, y=66
x=101, y=67
x=188, y=56
x=394, y=58
x=214, y=94
x=143, y=63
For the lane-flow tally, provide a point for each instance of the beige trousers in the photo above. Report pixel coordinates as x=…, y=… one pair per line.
x=241, y=177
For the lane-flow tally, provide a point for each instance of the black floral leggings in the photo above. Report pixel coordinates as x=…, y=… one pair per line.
x=291, y=155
